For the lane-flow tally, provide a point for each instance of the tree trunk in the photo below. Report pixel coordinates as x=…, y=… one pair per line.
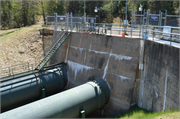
x=44, y=17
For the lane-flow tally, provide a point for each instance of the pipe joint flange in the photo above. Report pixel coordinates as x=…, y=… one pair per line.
x=104, y=96
x=63, y=83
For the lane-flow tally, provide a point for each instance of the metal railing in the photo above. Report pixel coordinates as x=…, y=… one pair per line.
x=53, y=50
x=98, y=28
x=47, y=48
x=16, y=69
x=117, y=29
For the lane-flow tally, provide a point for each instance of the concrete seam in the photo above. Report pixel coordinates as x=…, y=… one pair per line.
x=161, y=83
x=67, y=51
x=162, y=93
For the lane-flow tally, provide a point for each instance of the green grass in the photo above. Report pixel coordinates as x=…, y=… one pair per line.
x=6, y=31
x=136, y=112
x=35, y=27
x=8, y=35
x=19, y=31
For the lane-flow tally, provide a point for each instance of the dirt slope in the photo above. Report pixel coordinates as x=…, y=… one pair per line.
x=21, y=46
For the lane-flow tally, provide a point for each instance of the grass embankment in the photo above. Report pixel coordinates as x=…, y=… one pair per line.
x=136, y=112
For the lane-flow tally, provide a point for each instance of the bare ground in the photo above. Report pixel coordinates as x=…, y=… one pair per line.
x=21, y=46
x=175, y=115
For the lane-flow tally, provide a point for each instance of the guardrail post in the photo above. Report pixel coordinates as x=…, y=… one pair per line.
x=35, y=62
x=46, y=21
x=28, y=66
x=132, y=22
x=160, y=19
x=71, y=21
x=140, y=23
x=110, y=31
x=95, y=27
x=119, y=28
x=159, y=22
x=79, y=27
x=9, y=71
x=66, y=22
x=32, y=67
x=179, y=26
x=12, y=73
x=147, y=22
x=55, y=21
x=165, y=18
x=143, y=24
x=170, y=39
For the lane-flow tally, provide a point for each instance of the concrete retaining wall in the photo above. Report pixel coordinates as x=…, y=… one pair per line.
x=136, y=73
x=159, y=79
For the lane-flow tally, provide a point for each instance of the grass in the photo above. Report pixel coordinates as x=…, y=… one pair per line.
x=136, y=112
x=6, y=31
x=13, y=33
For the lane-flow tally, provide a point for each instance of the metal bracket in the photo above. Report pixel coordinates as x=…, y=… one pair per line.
x=82, y=114
x=61, y=72
x=43, y=95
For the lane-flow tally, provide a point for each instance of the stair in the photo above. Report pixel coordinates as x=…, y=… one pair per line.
x=52, y=51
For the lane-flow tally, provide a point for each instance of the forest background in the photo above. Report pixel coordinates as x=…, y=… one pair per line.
x=19, y=13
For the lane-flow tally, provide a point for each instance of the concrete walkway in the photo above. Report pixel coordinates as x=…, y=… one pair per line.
x=175, y=44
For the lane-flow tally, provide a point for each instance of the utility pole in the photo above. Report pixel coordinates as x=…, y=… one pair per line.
x=126, y=13
x=84, y=7
x=84, y=12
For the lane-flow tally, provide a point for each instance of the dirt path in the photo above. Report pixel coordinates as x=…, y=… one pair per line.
x=39, y=23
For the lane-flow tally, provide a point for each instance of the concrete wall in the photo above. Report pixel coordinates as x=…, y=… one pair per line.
x=138, y=72
x=158, y=87
x=60, y=55
x=114, y=59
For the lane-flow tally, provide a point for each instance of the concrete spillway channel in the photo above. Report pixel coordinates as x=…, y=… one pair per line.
x=75, y=102
x=31, y=87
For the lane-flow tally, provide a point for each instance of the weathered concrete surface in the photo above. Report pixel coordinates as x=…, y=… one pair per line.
x=60, y=55
x=140, y=72
x=111, y=58
x=159, y=79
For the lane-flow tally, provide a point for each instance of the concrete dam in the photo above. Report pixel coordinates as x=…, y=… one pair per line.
x=138, y=71
x=94, y=75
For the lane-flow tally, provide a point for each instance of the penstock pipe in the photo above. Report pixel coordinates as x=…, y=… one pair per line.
x=75, y=102
x=29, y=88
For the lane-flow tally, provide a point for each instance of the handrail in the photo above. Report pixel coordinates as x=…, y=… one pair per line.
x=15, y=69
x=161, y=32
x=51, y=49
x=37, y=59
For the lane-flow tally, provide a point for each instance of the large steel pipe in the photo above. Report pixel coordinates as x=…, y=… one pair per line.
x=28, y=88
x=84, y=99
